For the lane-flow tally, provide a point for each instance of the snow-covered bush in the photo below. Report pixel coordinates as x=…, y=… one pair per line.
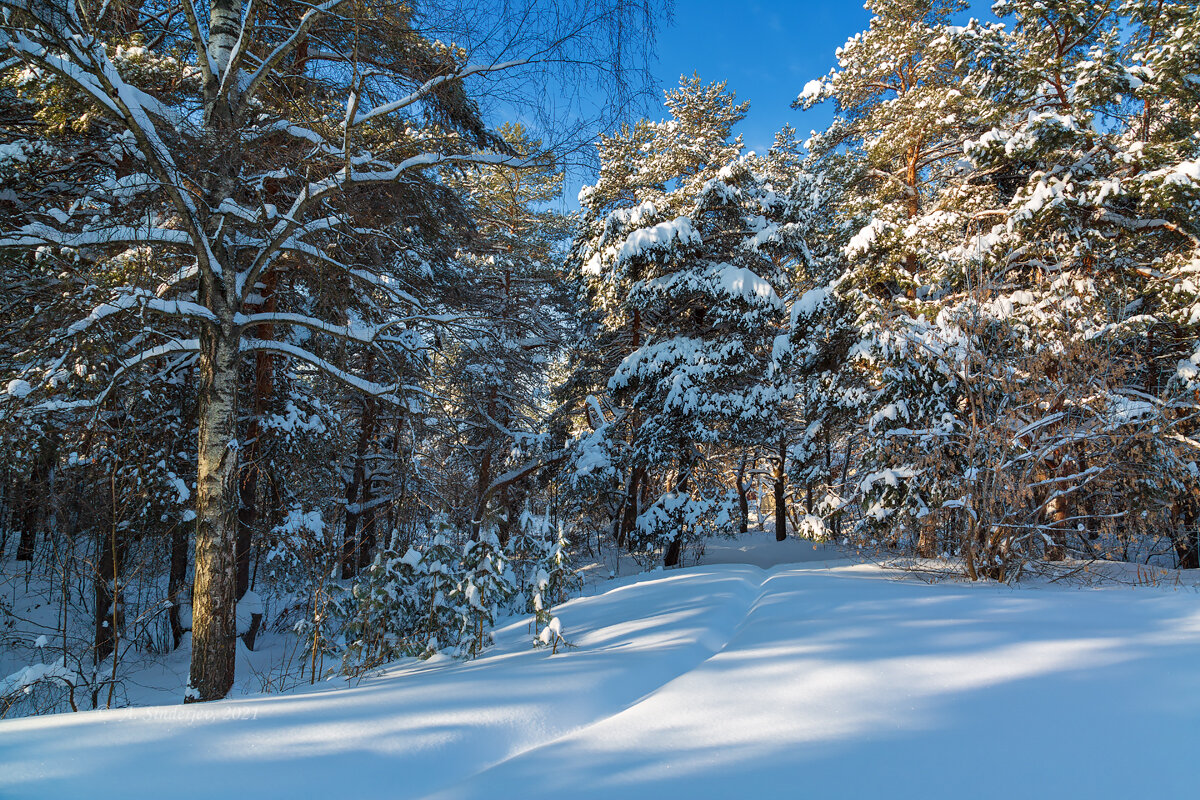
x=485, y=584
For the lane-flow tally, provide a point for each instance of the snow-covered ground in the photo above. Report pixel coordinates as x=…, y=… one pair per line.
x=819, y=679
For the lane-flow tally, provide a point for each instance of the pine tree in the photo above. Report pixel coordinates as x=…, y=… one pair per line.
x=682, y=271
x=486, y=583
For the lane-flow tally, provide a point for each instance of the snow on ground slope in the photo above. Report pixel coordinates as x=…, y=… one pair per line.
x=729, y=680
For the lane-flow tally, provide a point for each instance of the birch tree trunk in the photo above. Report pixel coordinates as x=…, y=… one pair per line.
x=214, y=596
x=214, y=593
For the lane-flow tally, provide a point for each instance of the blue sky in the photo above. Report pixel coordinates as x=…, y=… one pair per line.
x=766, y=51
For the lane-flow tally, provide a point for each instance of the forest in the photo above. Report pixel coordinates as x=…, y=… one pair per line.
x=305, y=339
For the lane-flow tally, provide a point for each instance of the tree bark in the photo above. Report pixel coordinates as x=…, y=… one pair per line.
x=675, y=549
x=177, y=581
x=264, y=386
x=484, y=479
x=927, y=543
x=630, y=513
x=214, y=598
x=358, y=491
x=34, y=500
x=481, y=497
x=1057, y=511
x=1187, y=549
x=28, y=519
x=781, y=492
x=109, y=607
x=743, y=503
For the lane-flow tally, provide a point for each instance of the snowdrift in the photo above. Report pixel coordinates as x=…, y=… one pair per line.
x=814, y=680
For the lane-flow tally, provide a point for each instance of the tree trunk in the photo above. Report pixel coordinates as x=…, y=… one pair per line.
x=224, y=28
x=264, y=386
x=177, y=581
x=109, y=610
x=1187, y=549
x=743, y=504
x=214, y=599
x=1187, y=541
x=34, y=500
x=1057, y=511
x=836, y=518
x=483, y=480
x=781, y=492
x=675, y=549
x=629, y=515
x=358, y=492
x=927, y=542
x=27, y=522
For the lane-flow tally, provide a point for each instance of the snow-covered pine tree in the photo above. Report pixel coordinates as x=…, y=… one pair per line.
x=486, y=583
x=904, y=113
x=509, y=322
x=686, y=269
x=385, y=611
x=1093, y=237
x=1048, y=262
x=438, y=575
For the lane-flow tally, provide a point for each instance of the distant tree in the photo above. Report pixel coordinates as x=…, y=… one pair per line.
x=686, y=269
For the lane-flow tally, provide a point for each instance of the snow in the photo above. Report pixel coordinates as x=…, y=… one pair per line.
x=740, y=282
x=247, y=607
x=1186, y=173
x=29, y=676
x=861, y=242
x=808, y=304
x=18, y=388
x=657, y=237
x=720, y=680
x=811, y=91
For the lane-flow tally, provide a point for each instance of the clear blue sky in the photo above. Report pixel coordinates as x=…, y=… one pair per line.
x=766, y=51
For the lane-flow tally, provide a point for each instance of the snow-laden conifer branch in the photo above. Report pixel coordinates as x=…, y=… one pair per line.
x=1135, y=224
x=86, y=66
x=176, y=346
x=517, y=473
x=363, y=334
x=185, y=274
x=39, y=233
x=288, y=230
x=170, y=348
x=384, y=392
